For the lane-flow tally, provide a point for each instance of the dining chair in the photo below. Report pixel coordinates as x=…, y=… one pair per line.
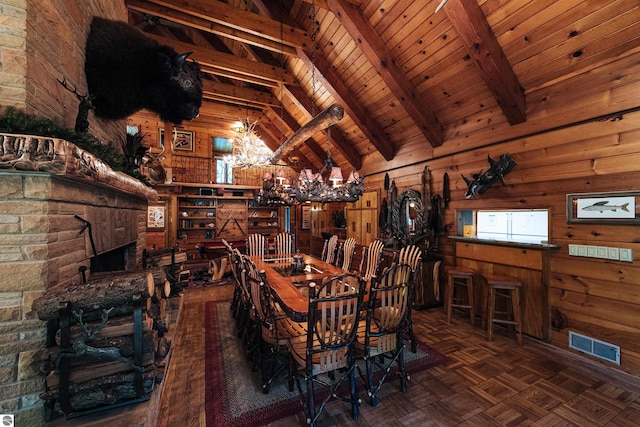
x=284, y=243
x=348, y=249
x=380, y=340
x=274, y=329
x=371, y=259
x=245, y=316
x=411, y=255
x=329, y=249
x=256, y=245
x=238, y=293
x=337, y=259
x=327, y=348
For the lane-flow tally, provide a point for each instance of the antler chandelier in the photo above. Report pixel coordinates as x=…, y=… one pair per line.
x=248, y=150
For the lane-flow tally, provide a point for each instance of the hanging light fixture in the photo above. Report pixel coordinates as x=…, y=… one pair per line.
x=248, y=150
x=276, y=185
x=315, y=187
x=325, y=186
x=276, y=189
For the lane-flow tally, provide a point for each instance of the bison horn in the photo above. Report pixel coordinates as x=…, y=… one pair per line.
x=179, y=60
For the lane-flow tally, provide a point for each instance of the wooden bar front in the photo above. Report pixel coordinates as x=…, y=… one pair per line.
x=527, y=262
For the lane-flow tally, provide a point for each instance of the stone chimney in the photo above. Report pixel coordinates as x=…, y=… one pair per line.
x=41, y=242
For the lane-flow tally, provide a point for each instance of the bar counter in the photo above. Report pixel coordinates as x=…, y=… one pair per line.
x=528, y=262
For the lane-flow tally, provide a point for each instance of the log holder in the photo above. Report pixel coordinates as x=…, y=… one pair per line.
x=65, y=316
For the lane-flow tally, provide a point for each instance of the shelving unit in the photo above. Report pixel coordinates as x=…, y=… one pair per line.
x=207, y=213
x=196, y=221
x=263, y=219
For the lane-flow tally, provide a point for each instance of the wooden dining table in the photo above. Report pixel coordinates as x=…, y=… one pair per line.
x=288, y=285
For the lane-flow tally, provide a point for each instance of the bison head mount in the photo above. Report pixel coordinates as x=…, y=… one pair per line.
x=127, y=71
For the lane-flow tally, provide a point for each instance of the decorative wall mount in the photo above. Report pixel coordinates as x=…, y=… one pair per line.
x=60, y=157
x=483, y=180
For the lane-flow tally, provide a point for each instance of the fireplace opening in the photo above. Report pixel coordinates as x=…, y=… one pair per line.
x=122, y=258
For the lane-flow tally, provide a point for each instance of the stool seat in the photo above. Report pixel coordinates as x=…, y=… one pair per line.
x=460, y=278
x=506, y=287
x=503, y=282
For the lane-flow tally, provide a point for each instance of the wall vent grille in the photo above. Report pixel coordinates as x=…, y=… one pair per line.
x=595, y=347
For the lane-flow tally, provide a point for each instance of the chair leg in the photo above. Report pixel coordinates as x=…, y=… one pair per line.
x=370, y=390
x=355, y=405
x=449, y=298
x=311, y=404
x=470, y=302
x=517, y=313
x=401, y=368
x=491, y=302
x=412, y=337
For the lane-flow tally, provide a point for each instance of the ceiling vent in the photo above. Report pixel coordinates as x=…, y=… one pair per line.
x=595, y=347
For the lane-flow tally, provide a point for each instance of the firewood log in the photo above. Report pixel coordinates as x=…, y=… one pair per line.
x=115, y=327
x=100, y=291
x=84, y=373
x=105, y=390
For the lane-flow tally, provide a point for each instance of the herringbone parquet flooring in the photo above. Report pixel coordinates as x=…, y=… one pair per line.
x=494, y=383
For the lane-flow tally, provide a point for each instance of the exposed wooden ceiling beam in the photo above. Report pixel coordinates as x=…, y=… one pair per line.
x=239, y=24
x=327, y=76
x=195, y=16
x=228, y=64
x=472, y=27
x=323, y=3
x=228, y=111
x=383, y=62
x=239, y=94
x=344, y=98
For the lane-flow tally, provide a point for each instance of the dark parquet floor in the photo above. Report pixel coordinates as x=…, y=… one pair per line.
x=494, y=383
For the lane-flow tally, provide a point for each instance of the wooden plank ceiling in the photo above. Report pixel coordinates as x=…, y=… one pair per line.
x=401, y=71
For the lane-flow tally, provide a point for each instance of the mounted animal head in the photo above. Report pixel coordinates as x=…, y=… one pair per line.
x=155, y=171
x=127, y=71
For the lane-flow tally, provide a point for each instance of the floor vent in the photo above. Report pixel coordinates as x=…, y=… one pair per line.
x=595, y=347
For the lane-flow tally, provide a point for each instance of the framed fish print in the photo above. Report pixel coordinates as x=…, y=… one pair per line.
x=620, y=207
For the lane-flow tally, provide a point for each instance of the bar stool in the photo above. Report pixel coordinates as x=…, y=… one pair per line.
x=459, y=278
x=506, y=287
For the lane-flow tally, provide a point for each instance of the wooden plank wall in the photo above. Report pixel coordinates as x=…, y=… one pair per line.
x=600, y=298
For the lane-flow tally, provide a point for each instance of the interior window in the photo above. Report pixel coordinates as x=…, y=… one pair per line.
x=523, y=225
x=224, y=172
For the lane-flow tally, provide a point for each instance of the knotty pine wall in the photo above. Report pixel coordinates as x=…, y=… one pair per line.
x=566, y=146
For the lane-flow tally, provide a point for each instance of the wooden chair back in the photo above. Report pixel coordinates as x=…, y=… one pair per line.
x=371, y=258
x=329, y=249
x=411, y=255
x=388, y=308
x=334, y=314
x=256, y=245
x=284, y=243
x=337, y=259
x=348, y=250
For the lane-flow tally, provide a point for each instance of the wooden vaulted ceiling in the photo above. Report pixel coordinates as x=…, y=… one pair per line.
x=405, y=74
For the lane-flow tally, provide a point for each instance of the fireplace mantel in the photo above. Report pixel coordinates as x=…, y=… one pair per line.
x=27, y=154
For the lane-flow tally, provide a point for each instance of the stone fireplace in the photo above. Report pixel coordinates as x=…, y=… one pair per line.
x=51, y=228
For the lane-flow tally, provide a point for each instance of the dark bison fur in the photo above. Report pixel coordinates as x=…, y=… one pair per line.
x=127, y=71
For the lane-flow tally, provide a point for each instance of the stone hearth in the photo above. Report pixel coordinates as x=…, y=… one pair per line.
x=44, y=241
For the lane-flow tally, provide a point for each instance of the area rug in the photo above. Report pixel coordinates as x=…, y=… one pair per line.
x=233, y=391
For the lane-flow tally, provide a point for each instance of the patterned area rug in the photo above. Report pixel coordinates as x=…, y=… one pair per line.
x=233, y=393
